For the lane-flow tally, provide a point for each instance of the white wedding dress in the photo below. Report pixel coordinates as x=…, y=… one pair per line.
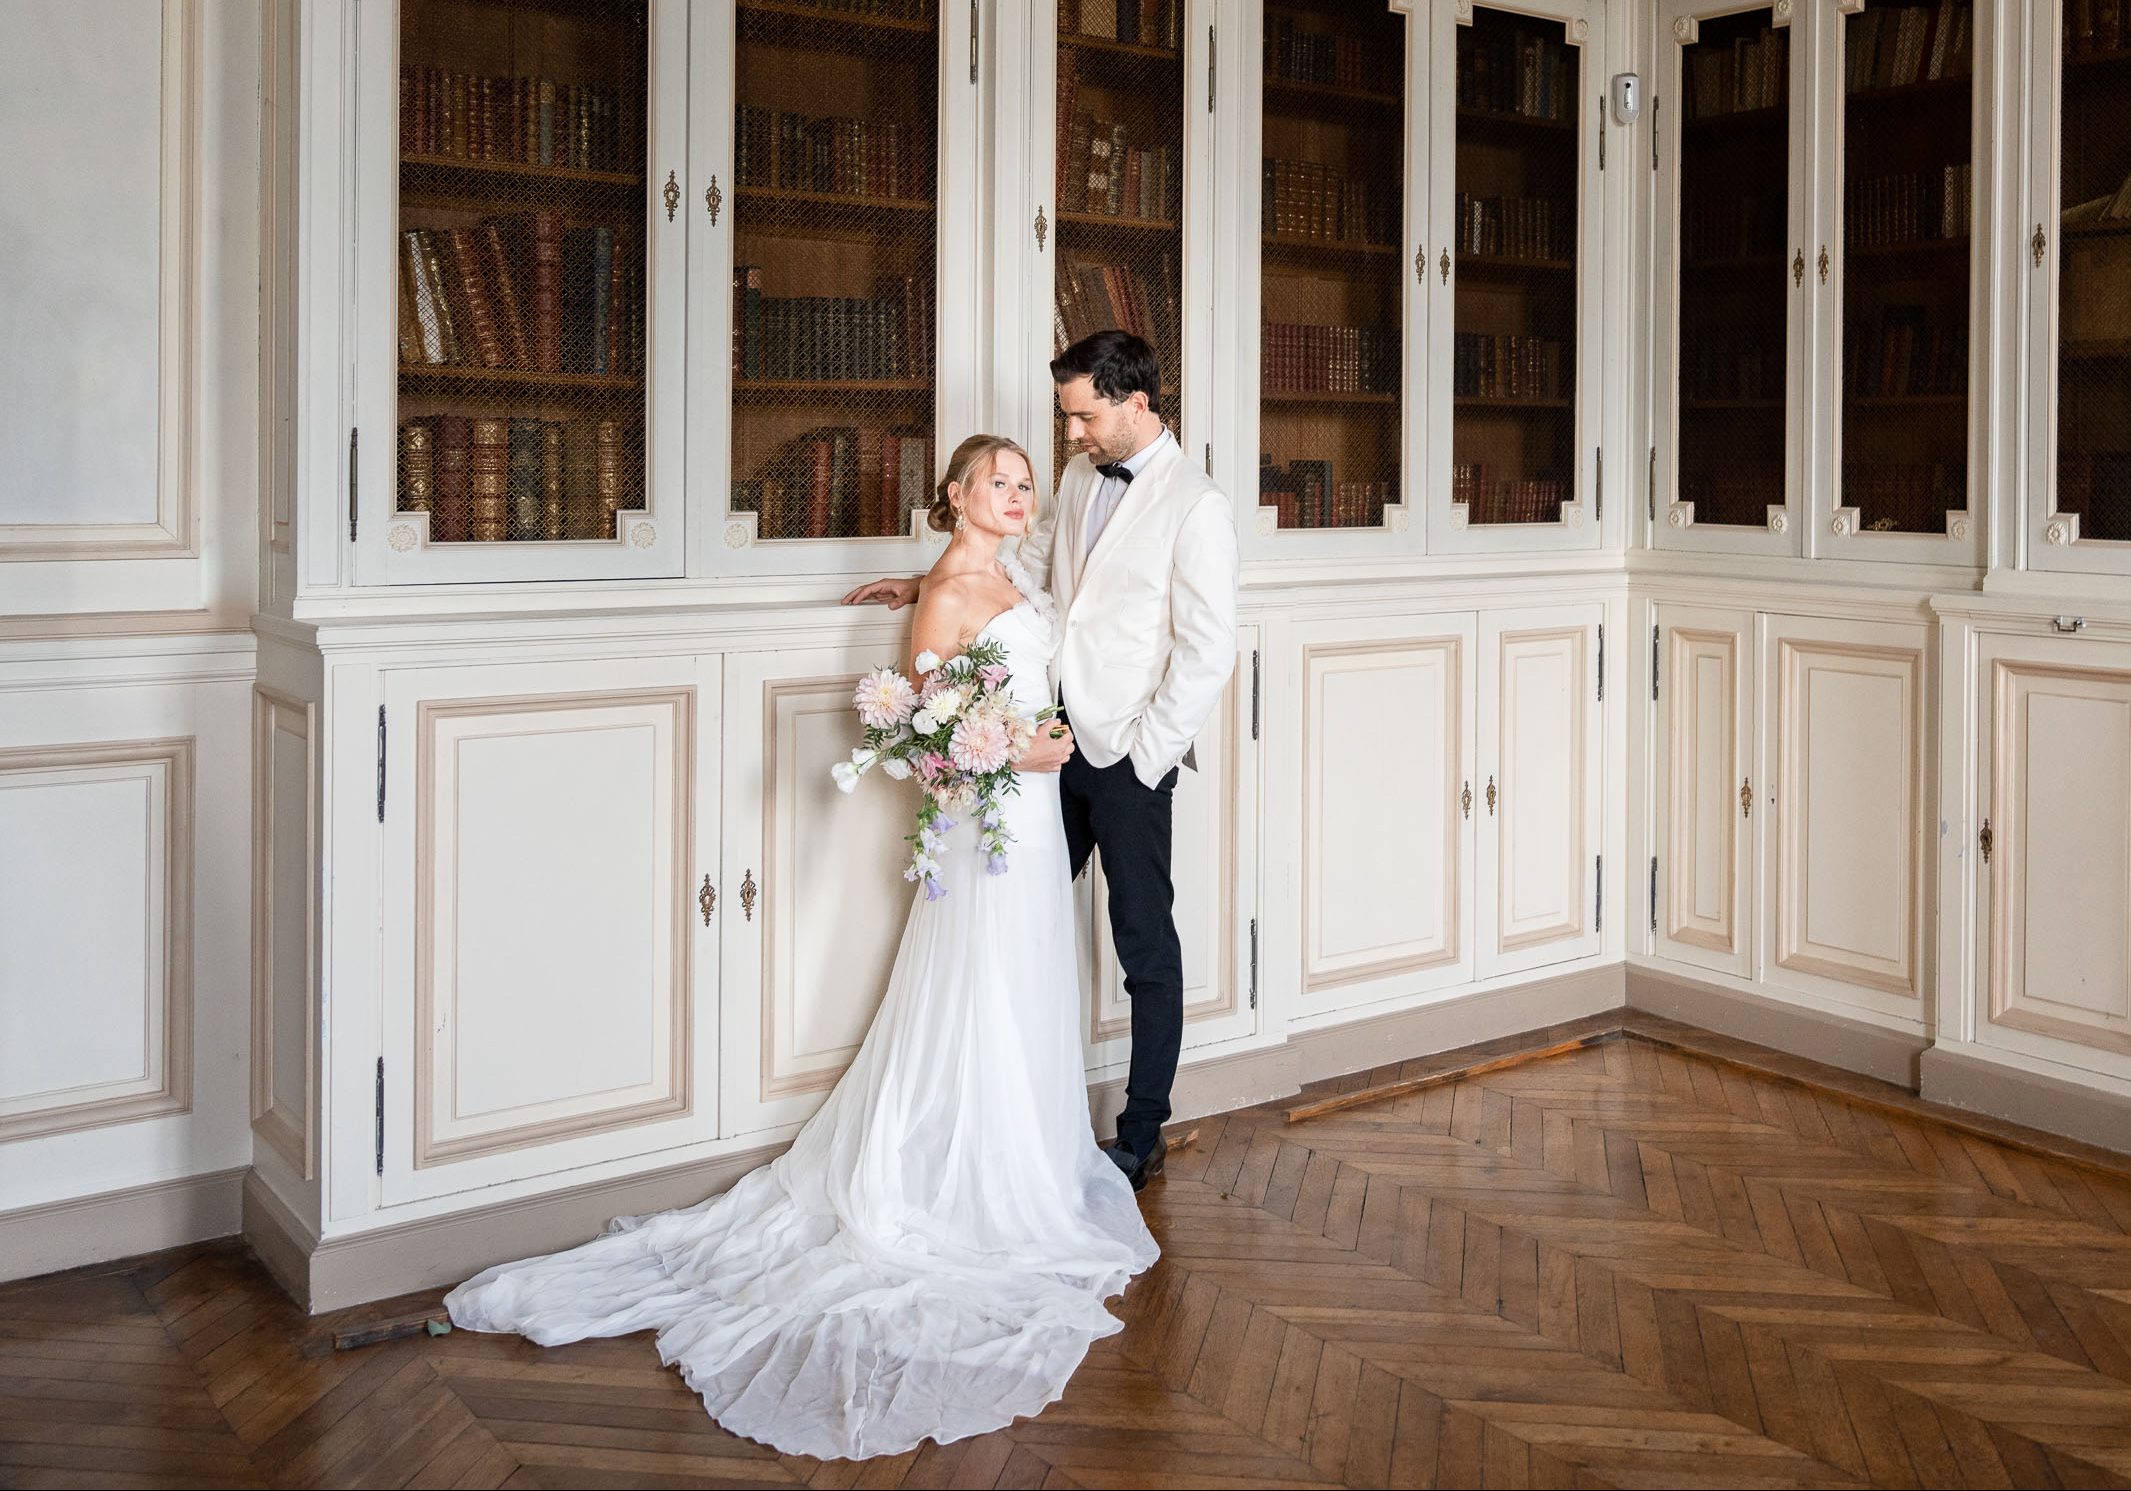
x=930, y=1258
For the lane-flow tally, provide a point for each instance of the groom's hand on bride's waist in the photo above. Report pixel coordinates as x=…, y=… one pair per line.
x=895, y=594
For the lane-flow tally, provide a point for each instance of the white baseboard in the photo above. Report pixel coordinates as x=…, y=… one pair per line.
x=119, y=1224
x=1854, y=1045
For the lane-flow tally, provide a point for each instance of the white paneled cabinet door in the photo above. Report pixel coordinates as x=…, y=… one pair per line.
x=548, y=975
x=1704, y=799
x=519, y=295
x=1388, y=807
x=1735, y=270
x=1536, y=882
x=2056, y=774
x=814, y=898
x=1214, y=867
x=1513, y=279
x=1843, y=837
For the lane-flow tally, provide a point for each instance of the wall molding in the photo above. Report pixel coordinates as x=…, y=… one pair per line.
x=1964, y=1079
x=1834, y=1040
x=119, y=1224
x=172, y=1092
x=175, y=531
x=286, y=1121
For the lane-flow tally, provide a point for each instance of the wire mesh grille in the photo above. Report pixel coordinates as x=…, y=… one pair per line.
x=1332, y=297
x=1513, y=370
x=1733, y=172
x=2094, y=273
x=1907, y=75
x=1120, y=171
x=521, y=265
x=834, y=265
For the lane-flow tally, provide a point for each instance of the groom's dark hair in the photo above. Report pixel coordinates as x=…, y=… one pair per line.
x=1120, y=364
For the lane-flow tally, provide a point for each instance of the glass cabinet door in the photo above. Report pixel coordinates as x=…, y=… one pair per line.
x=2078, y=256
x=1515, y=254
x=1904, y=276
x=1728, y=421
x=526, y=272
x=1120, y=167
x=1333, y=319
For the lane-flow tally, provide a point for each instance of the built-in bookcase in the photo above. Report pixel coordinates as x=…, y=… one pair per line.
x=2082, y=242
x=521, y=271
x=1332, y=227
x=1514, y=260
x=1121, y=166
x=1907, y=206
x=833, y=195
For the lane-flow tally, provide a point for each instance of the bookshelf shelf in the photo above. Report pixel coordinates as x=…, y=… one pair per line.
x=501, y=175
x=2084, y=65
x=1907, y=401
x=1479, y=404
x=1287, y=248
x=1290, y=95
x=777, y=203
x=794, y=20
x=1746, y=264
x=1385, y=401
x=1107, y=223
x=1740, y=119
x=2117, y=229
x=805, y=388
x=1509, y=121
x=2099, y=351
x=516, y=379
x=1730, y=406
x=1945, y=89
x=1911, y=249
x=1506, y=267
x=1126, y=51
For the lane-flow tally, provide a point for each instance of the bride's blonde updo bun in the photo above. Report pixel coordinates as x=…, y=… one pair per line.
x=973, y=459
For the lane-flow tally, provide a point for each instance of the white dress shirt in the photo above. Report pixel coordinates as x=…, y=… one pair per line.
x=1112, y=491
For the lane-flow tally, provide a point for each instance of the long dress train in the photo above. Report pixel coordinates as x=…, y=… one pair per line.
x=930, y=1258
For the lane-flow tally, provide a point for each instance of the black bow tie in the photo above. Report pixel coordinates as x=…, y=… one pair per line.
x=1116, y=471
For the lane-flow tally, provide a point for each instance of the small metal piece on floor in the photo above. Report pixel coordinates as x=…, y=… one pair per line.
x=1190, y=1138
x=379, y=1331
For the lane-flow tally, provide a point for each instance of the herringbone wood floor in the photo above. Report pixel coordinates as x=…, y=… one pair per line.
x=1662, y=1259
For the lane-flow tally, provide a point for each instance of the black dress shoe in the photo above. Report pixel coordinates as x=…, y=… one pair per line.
x=1139, y=1169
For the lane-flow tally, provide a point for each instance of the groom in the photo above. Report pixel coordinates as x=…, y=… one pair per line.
x=1139, y=549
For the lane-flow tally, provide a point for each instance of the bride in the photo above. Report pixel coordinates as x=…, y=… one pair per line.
x=930, y=1258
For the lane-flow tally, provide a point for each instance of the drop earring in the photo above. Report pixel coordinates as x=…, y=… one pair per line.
x=960, y=521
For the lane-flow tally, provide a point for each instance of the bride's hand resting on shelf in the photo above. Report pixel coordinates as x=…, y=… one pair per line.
x=895, y=594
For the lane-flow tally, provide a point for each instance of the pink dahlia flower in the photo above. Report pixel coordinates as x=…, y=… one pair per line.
x=980, y=745
x=884, y=698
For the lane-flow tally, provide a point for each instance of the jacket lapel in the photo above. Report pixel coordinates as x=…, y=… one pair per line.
x=1143, y=495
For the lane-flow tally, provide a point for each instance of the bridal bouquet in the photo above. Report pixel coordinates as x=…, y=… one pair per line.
x=959, y=733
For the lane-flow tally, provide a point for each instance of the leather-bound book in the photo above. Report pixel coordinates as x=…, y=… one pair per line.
x=552, y=526
x=544, y=130
x=614, y=294
x=449, y=521
x=525, y=479
x=466, y=254
x=580, y=496
x=599, y=300
x=488, y=482
x=440, y=298
x=545, y=237
x=821, y=474
x=867, y=509
x=418, y=466
x=577, y=300
x=410, y=327
x=607, y=457
x=891, y=484
x=509, y=314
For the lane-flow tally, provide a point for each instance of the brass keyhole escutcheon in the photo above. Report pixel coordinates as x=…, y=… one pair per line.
x=672, y=193
x=1420, y=264
x=1746, y=798
x=1444, y=264
x=1043, y=229
x=2037, y=244
x=1823, y=264
x=1491, y=795
x=1465, y=799
x=713, y=199
x=1987, y=840
x=1798, y=267
x=707, y=899
x=747, y=894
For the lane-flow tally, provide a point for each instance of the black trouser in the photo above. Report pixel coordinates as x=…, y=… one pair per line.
x=1108, y=808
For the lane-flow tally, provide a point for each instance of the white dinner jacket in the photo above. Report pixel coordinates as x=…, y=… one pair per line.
x=1149, y=614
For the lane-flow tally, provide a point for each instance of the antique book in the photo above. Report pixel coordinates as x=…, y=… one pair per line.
x=551, y=507
x=488, y=481
x=580, y=494
x=612, y=295
x=454, y=350
x=509, y=314
x=428, y=306
x=599, y=300
x=607, y=484
x=449, y=512
x=465, y=253
x=418, y=469
x=410, y=327
x=544, y=238
x=524, y=478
